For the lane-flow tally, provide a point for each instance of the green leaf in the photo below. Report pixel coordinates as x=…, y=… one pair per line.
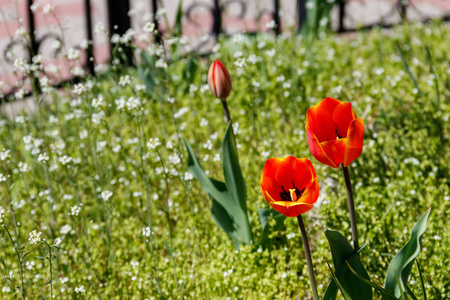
x=232, y=170
x=264, y=215
x=190, y=69
x=145, y=73
x=408, y=70
x=177, y=27
x=342, y=251
x=226, y=211
x=385, y=295
x=338, y=284
x=404, y=260
x=424, y=293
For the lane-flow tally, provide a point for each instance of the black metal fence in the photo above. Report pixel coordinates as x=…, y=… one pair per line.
x=119, y=20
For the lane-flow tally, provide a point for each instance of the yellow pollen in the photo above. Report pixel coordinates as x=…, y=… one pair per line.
x=293, y=194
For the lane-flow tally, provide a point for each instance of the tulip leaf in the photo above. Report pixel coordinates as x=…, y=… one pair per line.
x=402, y=262
x=226, y=211
x=342, y=251
x=264, y=215
x=385, y=295
x=232, y=169
x=178, y=17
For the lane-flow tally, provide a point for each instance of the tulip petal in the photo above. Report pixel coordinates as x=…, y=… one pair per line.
x=335, y=150
x=320, y=121
x=343, y=115
x=268, y=182
x=311, y=194
x=317, y=151
x=354, y=146
x=293, y=171
x=291, y=209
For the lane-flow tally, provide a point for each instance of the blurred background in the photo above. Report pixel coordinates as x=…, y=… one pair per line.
x=59, y=26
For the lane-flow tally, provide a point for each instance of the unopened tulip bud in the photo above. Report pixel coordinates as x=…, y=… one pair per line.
x=219, y=80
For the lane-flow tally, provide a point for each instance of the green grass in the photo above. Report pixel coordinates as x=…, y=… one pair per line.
x=403, y=170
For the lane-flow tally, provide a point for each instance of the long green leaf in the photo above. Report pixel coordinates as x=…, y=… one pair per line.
x=342, y=251
x=338, y=284
x=408, y=70
x=264, y=215
x=385, y=295
x=232, y=169
x=403, y=261
x=226, y=212
x=178, y=27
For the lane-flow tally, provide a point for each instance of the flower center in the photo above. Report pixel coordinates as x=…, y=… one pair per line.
x=292, y=195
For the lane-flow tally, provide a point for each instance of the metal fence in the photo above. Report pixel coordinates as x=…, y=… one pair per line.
x=119, y=21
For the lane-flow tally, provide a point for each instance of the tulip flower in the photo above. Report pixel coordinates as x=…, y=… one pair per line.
x=219, y=80
x=290, y=185
x=335, y=136
x=335, y=133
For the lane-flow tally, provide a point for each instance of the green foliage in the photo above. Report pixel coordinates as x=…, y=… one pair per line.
x=403, y=261
x=148, y=241
x=342, y=253
x=229, y=207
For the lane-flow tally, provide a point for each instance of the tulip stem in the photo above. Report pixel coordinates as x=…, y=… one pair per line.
x=351, y=207
x=312, y=279
x=226, y=110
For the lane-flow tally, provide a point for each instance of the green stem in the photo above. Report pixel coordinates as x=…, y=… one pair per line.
x=351, y=207
x=226, y=110
x=312, y=278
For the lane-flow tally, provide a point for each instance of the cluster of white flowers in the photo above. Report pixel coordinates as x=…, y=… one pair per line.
x=30, y=264
x=105, y=195
x=3, y=178
x=65, y=229
x=2, y=214
x=75, y=210
x=35, y=237
x=153, y=143
x=79, y=289
x=146, y=231
x=125, y=80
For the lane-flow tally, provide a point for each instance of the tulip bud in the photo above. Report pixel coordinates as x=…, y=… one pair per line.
x=219, y=80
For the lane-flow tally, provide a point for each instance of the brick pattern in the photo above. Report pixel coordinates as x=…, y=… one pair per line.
x=70, y=21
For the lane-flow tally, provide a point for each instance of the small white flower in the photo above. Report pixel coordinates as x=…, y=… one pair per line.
x=75, y=210
x=105, y=195
x=65, y=229
x=149, y=27
x=79, y=289
x=48, y=8
x=30, y=264
x=124, y=80
x=153, y=143
x=146, y=231
x=35, y=237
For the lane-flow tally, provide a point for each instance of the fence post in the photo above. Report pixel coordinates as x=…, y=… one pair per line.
x=301, y=14
x=155, y=21
x=90, y=49
x=31, y=28
x=119, y=22
x=341, y=16
x=276, y=17
x=217, y=14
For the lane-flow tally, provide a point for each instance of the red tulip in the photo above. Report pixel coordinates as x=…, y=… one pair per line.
x=219, y=80
x=290, y=185
x=335, y=133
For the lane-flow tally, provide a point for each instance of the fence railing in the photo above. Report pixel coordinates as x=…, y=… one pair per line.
x=119, y=21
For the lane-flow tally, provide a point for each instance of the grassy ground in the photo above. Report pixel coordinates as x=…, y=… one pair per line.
x=91, y=184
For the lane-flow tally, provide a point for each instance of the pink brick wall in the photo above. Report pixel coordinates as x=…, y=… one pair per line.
x=71, y=20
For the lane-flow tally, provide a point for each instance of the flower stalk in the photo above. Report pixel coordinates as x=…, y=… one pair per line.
x=351, y=207
x=312, y=278
x=226, y=110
